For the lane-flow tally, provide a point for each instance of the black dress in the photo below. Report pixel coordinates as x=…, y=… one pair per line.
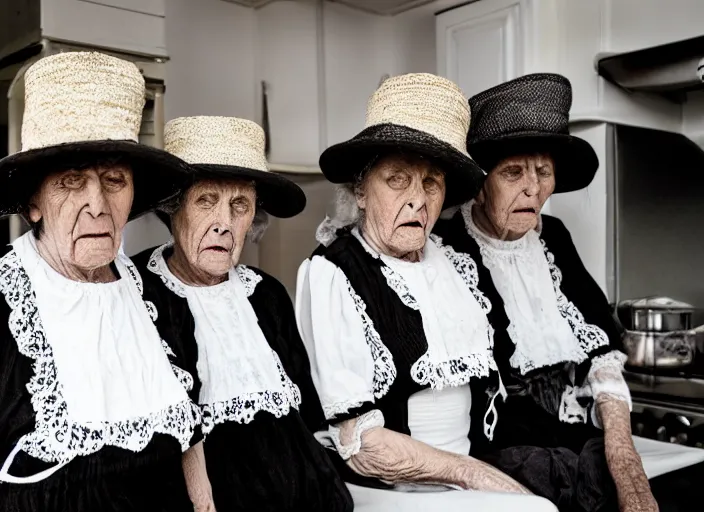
x=97, y=476
x=395, y=334
x=259, y=457
x=561, y=460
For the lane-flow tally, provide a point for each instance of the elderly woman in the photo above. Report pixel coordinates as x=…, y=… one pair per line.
x=94, y=406
x=237, y=325
x=393, y=321
x=564, y=427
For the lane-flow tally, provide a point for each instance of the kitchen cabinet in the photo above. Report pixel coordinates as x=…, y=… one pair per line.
x=135, y=26
x=480, y=44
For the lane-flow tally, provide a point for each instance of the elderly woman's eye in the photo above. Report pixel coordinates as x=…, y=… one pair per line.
x=545, y=171
x=431, y=184
x=398, y=180
x=240, y=207
x=114, y=180
x=72, y=181
x=205, y=201
x=514, y=172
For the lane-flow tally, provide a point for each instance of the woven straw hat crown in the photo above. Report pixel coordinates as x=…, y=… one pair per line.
x=423, y=102
x=211, y=140
x=81, y=96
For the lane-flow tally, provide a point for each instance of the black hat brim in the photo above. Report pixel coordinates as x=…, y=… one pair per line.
x=157, y=175
x=576, y=161
x=343, y=162
x=277, y=195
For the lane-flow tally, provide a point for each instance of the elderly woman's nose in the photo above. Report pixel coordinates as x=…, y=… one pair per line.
x=224, y=218
x=96, y=201
x=532, y=183
x=417, y=196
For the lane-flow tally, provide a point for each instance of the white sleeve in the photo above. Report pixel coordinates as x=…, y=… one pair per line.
x=333, y=332
x=606, y=377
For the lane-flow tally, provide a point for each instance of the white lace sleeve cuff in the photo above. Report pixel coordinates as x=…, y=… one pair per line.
x=606, y=378
x=367, y=421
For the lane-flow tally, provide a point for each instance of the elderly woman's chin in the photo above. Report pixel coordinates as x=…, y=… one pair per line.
x=522, y=222
x=95, y=251
x=408, y=239
x=217, y=261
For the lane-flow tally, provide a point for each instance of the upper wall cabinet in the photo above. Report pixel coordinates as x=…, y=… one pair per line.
x=480, y=44
x=130, y=26
x=136, y=26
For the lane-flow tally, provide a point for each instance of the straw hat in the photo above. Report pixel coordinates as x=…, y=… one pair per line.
x=420, y=113
x=82, y=107
x=527, y=115
x=228, y=147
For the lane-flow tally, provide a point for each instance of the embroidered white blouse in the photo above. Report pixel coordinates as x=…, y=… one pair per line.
x=350, y=364
x=240, y=373
x=545, y=327
x=102, y=375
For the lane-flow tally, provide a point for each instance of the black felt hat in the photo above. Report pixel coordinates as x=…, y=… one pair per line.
x=420, y=113
x=527, y=115
x=233, y=148
x=81, y=108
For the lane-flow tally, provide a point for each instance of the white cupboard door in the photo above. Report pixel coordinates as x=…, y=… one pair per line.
x=479, y=45
x=134, y=26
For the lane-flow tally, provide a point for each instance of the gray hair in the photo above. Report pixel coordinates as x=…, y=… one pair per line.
x=256, y=230
x=346, y=212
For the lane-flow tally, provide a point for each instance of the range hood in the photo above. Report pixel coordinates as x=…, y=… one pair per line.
x=667, y=69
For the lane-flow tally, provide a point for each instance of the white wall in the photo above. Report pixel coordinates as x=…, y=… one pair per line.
x=211, y=45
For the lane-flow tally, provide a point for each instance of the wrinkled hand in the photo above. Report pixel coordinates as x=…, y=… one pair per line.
x=481, y=476
x=634, y=494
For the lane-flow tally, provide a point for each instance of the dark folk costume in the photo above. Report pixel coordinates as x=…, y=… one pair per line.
x=255, y=389
x=94, y=405
x=556, y=342
x=557, y=347
x=394, y=343
x=253, y=375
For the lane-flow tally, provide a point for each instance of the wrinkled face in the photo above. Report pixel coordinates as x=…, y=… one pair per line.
x=211, y=224
x=83, y=213
x=515, y=191
x=402, y=197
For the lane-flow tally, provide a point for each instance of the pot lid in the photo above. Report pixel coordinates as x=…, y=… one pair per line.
x=658, y=303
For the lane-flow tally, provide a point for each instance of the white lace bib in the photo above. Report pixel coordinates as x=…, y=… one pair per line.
x=545, y=327
x=240, y=373
x=101, y=372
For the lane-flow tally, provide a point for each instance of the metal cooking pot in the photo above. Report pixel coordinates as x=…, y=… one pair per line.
x=669, y=350
x=659, y=332
x=655, y=314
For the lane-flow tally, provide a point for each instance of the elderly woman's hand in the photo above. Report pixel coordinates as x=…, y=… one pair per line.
x=397, y=458
x=197, y=481
x=625, y=465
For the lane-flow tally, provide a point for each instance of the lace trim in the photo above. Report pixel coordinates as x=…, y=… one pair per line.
x=457, y=372
x=384, y=367
x=454, y=372
x=250, y=279
x=589, y=336
x=157, y=264
x=56, y=437
x=367, y=421
x=243, y=408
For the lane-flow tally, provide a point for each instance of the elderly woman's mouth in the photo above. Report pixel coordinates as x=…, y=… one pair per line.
x=412, y=224
x=95, y=236
x=218, y=248
x=525, y=210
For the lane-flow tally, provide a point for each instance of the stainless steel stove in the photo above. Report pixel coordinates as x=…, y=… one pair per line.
x=668, y=407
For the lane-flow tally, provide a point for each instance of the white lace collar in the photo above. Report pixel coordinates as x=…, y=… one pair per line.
x=545, y=326
x=443, y=288
x=78, y=412
x=240, y=373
